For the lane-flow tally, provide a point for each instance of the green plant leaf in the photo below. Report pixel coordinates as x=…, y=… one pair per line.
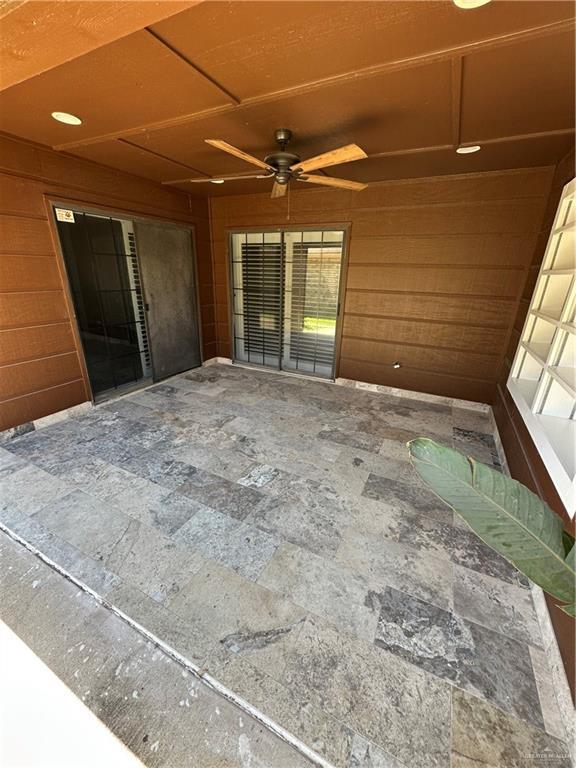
x=504, y=514
x=568, y=541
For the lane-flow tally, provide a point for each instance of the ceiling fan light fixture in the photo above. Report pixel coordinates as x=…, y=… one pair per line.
x=468, y=150
x=67, y=118
x=468, y=5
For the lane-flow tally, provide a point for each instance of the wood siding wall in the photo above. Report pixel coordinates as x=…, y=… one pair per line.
x=523, y=458
x=435, y=273
x=41, y=367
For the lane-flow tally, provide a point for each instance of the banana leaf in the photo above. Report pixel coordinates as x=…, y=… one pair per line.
x=505, y=515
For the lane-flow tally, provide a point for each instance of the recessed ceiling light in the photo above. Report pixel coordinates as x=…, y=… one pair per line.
x=66, y=117
x=468, y=4
x=217, y=181
x=468, y=150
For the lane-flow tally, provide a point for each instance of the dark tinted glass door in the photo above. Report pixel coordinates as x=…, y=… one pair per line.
x=102, y=265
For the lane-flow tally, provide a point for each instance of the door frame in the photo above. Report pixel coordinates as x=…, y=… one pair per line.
x=294, y=227
x=101, y=209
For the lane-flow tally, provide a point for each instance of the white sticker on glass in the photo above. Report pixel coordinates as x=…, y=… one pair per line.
x=62, y=214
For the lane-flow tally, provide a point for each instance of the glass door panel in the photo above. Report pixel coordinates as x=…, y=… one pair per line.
x=100, y=257
x=257, y=297
x=285, y=299
x=311, y=290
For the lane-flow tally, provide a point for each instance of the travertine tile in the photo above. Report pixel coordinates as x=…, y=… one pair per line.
x=290, y=521
x=126, y=490
x=386, y=563
x=366, y=755
x=243, y=548
x=465, y=418
x=92, y=525
x=455, y=543
x=29, y=488
x=160, y=469
x=485, y=735
x=190, y=637
x=361, y=440
x=496, y=604
x=198, y=480
x=218, y=493
x=151, y=702
x=322, y=587
x=245, y=617
x=479, y=445
x=82, y=471
x=404, y=711
x=168, y=513
x=293, y=710
x=406, y=496
x=89, y=570
x=469, y=655
x=9, y=462
x=547, y=693
x=259, y=476
x=152, y=562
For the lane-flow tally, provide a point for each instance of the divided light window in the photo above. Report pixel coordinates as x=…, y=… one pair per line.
x=543, y=378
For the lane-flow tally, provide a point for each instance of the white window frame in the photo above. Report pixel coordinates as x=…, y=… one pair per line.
x=542, y=386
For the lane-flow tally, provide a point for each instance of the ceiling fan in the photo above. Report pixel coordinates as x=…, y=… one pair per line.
x=283, y=166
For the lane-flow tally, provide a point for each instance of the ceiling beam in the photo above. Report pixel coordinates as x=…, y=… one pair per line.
x=38, y=35
x=481, y=142
x=524, y=136
x=7, y=6
x=162, y=157
x=446, y=55
x=230, y=96
x=407, y=152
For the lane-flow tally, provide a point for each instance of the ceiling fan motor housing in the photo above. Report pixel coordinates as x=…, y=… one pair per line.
x=281, y=162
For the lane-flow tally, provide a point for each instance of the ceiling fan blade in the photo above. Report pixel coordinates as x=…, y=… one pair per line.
x=279, y=190
x=225, y=147
x=329, y=181
x=228, y=177
x=336, y=156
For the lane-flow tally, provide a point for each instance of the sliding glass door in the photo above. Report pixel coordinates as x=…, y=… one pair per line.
x=285, y=298
x=102, y=265
x=133, y=284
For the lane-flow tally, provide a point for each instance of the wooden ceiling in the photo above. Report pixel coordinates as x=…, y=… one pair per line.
x=407, y=81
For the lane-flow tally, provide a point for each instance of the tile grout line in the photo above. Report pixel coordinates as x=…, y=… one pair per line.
x=194, y=669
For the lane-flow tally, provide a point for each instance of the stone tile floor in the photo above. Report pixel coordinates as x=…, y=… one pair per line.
x=152, y=702
x=271, y=530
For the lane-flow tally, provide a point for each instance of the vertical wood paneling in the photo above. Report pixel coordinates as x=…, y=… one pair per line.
x=436, y=269
x=41, y=368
